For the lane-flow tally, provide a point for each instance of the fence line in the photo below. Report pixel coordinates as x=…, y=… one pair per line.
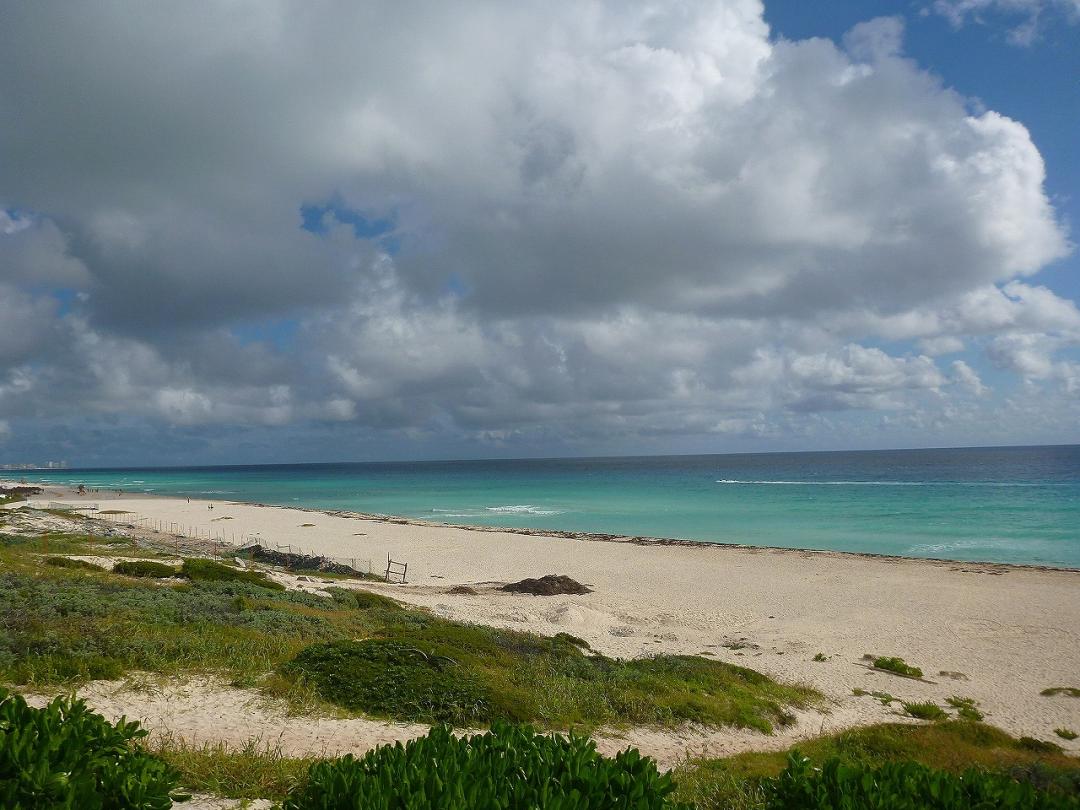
x=222, y=543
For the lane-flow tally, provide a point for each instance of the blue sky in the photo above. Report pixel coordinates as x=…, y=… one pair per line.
x=365, y=231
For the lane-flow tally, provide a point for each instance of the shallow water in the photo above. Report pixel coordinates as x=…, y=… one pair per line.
x=1018, y=505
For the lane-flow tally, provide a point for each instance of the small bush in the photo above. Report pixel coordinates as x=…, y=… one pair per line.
x=900, y=786
x=897, y=666
x=508, y=767
x=1039, y=746
x=144, y=568
x=573, y=641
x=821, y=657
x=392, y=679
x=200, y=570
x=925, y=711
x=65, y=756
x=1053, y=691
x=68, y=562
x=1066, y=734
x=366, y=600
x=965, y=708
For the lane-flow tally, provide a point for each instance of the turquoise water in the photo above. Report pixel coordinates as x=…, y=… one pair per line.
x=1019, y=505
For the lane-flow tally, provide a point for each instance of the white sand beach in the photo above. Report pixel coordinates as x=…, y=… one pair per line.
x=1001, y=633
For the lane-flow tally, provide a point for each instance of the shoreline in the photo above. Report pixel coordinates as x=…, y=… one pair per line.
x=567, y=534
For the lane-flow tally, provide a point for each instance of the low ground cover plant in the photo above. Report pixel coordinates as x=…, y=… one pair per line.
x=965, y=708
x=145, y=568
x=202, y=570
x=442, y=671
x=1067, y=691
x=64, y=756
x=68, y=562
x=925, y=711
x=897, y=666
x=737, y=783
x=507, y=767
x=901, y=786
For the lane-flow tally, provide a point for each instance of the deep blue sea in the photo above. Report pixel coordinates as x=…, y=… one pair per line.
x=1017, y=504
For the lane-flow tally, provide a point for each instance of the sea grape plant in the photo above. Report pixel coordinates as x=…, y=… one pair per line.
x=511, y=766
x=65, y=757
x=906, y=785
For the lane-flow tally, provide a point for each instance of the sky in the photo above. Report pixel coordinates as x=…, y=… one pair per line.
x=298, y=232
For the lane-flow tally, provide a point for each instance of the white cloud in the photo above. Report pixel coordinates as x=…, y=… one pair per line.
x=1032, y=14
x=610, y=219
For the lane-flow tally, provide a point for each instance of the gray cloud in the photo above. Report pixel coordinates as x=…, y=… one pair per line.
x=608, y=223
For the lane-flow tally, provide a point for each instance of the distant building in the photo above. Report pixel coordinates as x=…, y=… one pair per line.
x=48, y=465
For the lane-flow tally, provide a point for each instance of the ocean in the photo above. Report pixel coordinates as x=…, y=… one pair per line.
x=1011, y=505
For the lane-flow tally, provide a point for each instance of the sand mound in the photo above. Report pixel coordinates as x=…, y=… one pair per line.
x=548, y=585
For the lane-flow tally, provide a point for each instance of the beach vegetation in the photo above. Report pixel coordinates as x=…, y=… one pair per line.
x=253, y=770
x=365, y=600
x=924, y=711
x=66, y=626
x=65, y=756
x=566, y=638
x=965, y=708
x=1066, y=733
x=739, y=782
x=821, y=657
x=467, y=674
x=897, y=666
x=199, y=569
x=899, y=786
x=69, y=562
x=145, y=568
x=508, y=766
x=1039, y=746
x=1054, y=691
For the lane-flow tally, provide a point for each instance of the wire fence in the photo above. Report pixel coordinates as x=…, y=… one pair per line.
x=183, y=538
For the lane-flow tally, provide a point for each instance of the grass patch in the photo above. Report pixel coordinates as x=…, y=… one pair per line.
x=201, y=570
x=925, y=711
x=965, y=708
x=1054, y=691
x=250, y=771
x=735, y=782
x=68, y=562
x=144, y=568
x=366, y=600
x=1066, y=733
x=821, y=657
x=466, y=674
x=897, y=666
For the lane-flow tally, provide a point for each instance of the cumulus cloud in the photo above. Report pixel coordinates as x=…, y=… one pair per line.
x=580, y=223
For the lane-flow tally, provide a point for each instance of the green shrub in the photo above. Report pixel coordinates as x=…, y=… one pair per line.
x=200, y=570
x=366, y=600
x=573, y=641
x=925, y=711
x=508, y=767
x=1066, y=733
x=144, y=568
x=391, y=679
x=65, y=756
x=68, y=562
x=1053, y=691
x=901, y=786
x=965, y=708
x=1039, y=746
x=897, y=665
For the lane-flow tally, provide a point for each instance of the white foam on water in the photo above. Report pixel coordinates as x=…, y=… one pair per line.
x=523, y=509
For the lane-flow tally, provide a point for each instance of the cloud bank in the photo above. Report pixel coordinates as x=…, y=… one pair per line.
x=532, y=226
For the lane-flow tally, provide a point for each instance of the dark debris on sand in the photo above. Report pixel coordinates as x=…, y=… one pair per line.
x=299, y=562
x=549, y=585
